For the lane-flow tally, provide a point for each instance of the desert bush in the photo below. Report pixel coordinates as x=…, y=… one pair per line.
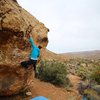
x=91, y=94
x=84, y=72
x=96, y=75
x=53, y=71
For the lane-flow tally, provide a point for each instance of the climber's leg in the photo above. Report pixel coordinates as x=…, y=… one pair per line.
x=26, y=63
x=34, y=66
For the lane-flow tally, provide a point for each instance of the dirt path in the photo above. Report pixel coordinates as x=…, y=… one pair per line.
x=39, y=88
x=75, y=80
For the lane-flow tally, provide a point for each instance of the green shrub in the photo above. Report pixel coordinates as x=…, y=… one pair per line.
x=53, y=71
x=96, y=75
x=84, y=72
x=91, y=94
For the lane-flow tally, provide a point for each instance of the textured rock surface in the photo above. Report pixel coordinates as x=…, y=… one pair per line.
x=15, y=24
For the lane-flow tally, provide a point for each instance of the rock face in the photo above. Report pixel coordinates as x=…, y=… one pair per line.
x=15, y=24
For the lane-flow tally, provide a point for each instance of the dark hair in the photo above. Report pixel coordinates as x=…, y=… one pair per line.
x=48, y=30
x=39, y=47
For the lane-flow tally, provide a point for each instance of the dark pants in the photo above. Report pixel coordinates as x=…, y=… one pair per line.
x=26, y=64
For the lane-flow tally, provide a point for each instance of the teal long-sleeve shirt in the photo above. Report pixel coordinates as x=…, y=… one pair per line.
x=35, y=50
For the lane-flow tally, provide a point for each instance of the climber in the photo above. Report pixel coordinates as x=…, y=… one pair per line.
x=33, y=57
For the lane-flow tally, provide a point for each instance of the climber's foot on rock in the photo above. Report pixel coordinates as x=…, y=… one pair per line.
x=29, y=93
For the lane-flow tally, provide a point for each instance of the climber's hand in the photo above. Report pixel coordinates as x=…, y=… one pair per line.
x=30, y=35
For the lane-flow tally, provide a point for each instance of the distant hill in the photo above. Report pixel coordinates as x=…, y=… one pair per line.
x=85, y=54
x=49, y=55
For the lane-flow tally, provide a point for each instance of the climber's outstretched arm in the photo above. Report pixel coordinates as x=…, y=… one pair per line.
x=31, y=41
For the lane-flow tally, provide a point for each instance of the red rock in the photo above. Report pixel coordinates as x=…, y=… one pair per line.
x=15, y=24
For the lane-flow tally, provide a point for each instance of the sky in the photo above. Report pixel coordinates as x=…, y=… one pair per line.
x=74, y=24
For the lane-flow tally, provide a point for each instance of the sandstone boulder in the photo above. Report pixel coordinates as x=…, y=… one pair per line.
x=15, y=24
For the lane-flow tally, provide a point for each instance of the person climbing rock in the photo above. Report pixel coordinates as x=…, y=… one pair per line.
x=35, y=54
